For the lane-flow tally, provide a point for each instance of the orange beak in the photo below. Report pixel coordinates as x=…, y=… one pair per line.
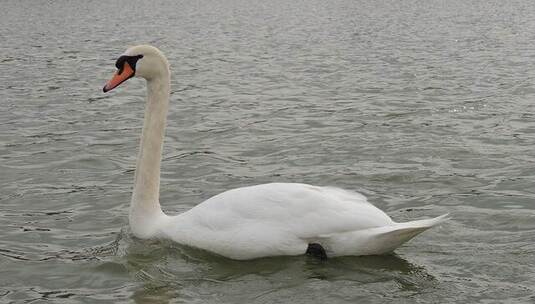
x=119, y=77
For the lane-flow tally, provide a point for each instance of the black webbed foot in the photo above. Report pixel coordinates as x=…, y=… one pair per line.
x=316, y=250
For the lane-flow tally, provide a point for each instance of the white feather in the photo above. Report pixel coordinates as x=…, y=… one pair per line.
x=283, y=218
x=257, y=221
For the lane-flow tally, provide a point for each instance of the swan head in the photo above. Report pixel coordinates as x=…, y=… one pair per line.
x=138, y=61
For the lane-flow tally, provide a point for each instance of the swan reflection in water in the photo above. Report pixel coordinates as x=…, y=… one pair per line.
x=159, y=266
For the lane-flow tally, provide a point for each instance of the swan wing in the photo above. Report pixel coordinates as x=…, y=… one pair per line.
x=274, y=219
x=304, y=210
x=283, y=218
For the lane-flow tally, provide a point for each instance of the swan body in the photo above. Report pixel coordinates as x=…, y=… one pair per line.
x=256, y=221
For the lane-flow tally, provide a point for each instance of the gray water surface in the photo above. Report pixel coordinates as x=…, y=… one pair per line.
x=426, y=107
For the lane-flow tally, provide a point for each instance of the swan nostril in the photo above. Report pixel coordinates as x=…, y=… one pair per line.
x=120, y=62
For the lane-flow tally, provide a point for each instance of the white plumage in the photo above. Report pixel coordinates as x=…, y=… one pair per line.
x=256, y=221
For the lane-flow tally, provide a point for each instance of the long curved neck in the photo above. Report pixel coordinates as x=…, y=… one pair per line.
x=145, y=197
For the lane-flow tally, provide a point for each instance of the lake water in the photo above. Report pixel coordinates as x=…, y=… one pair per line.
x=426, y=107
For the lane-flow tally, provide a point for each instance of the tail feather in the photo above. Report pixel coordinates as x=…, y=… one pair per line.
x=379, y=240
x=427, y=223
x=400, y=233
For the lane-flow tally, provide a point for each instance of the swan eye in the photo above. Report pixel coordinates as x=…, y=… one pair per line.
x=132, y=60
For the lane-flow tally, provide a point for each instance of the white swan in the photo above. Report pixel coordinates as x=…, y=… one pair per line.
x=250, y=222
